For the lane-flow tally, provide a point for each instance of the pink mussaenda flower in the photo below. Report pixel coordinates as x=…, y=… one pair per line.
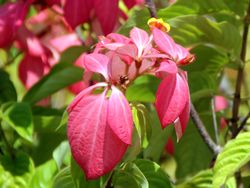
x=99, y=124
x=96, y=109
x=12, y=16
x=172, y=97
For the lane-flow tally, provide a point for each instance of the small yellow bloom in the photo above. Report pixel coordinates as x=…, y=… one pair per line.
x=158, y=23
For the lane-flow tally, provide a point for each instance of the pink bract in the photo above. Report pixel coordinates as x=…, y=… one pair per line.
x=11, y=18
x=99, y=124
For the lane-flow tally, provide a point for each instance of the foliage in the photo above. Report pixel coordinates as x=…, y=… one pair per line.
x=48, y=59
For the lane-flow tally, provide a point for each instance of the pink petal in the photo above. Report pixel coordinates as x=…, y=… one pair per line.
x=220, y=103
x=31, y=70
x=117, y=67
x=128, y=50
x=169, y=147
x=77, y=12
x=120, y=116
x=166, y=67
x=171, y=98
x=96, y=63
x=131, y=3
x=107, y=14
x=140, y=38
x=52, y=2
x=167, y=45
x=30, y=43
x=94, y=145
x=63, y=42
x=181, y=124
x=164, y=42
x=11, y=18
x=118, y=38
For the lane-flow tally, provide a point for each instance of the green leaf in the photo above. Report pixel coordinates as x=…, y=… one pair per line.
x=7, y=89
x=235, y=154
x=43, y=175
x=47, y=138
x=155, y=176
x=71, y=54
x=63, y=179
x=207, y=59
x=201, y=180
x=193, y=7
x=143, y=89
x=239, y=7
x=18, y=171
x=130, y=176
x=192, y=30
x=141, y=121
x=79, y=178
x=201, y=85
x=158, y=139
x=61, y=76
x=191, y=153
x=204, y=179
x=19, y=117
x=61, y=153
x=138, y=18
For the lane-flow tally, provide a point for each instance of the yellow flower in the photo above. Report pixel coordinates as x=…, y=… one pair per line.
x=158, y=23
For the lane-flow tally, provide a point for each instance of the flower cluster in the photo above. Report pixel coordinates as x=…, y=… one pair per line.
x=100, y=120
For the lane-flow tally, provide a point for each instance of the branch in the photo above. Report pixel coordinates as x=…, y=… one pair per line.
x=203, y=132
x=151, y=6
x=240, y=75
x=242, y=125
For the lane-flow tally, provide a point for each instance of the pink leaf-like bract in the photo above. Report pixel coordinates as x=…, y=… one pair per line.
x=94, y=145
x=96, y=63
x=31, y=70
x=11, y=18
x=171, y=98
x=140, y=38
x=120, y=116
x=107, y=14
x=77, y=12
x=167, y=45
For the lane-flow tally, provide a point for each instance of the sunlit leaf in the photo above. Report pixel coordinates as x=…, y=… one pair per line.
x=16, y=172
x=130, y=176
x=19, y=117
x=43, y=175
x=61, y=75
x=143, y=89
x=235, y=154
x=63, y=179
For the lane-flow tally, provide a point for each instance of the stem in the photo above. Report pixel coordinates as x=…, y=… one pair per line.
x=152, y=9
x=240, y=75
x=242, y=125
x=203, y=132
x=216, y=132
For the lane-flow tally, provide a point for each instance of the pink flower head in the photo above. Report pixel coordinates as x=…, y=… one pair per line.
x=99, y=124
x=172, y=97
x=11, y=18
